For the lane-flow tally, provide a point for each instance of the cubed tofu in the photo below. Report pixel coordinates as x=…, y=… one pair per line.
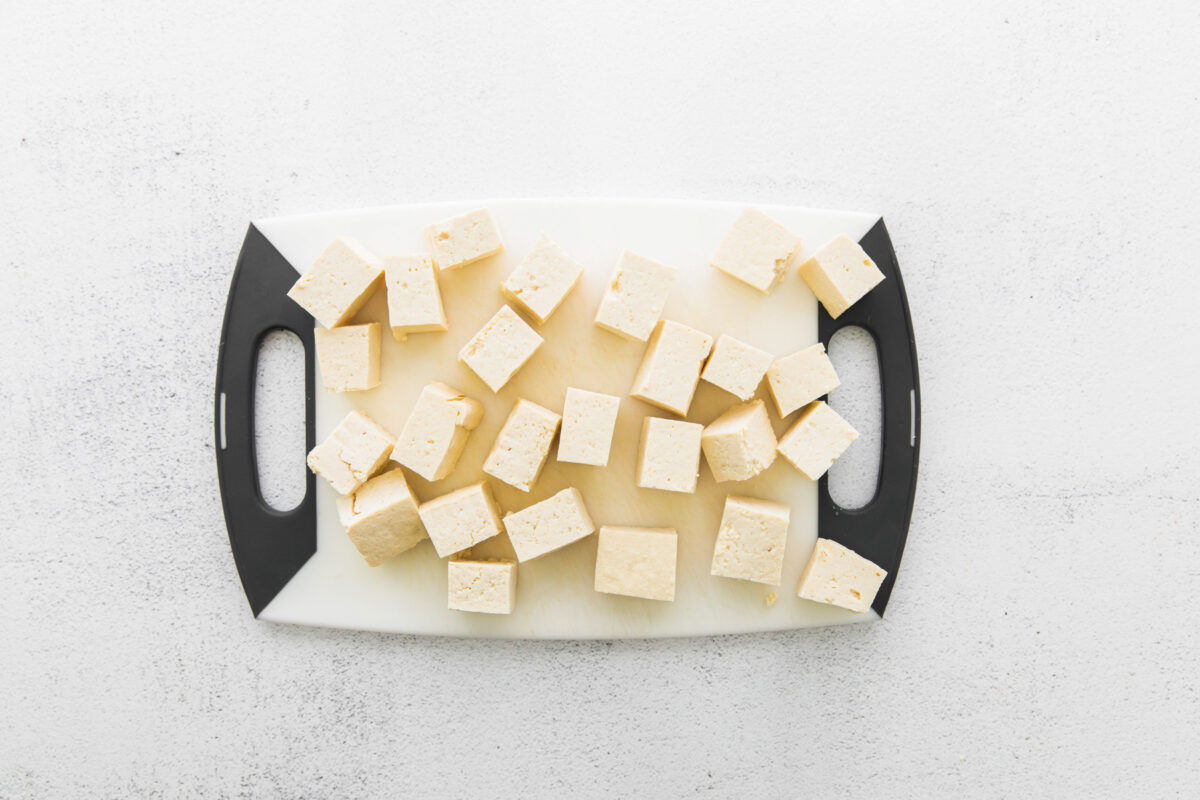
x=637, y=562
x=436, y=431
x=338, y=283
x=740, y=443
x=587, y=427
x=736, y=367
x=500, y=348
x=349, y=357
x=636, y=296
x=555, y=522
x=840, y=274
x=356, y=450
x=522, y=445
x=413, y=298
x=815, y=441
x=461, y=519
x=838, y=576
x=542, y=280
x=671, y=367
x=798, y=379
x=757, y=250
x=464, y=239
x=485, y=587
x=669, y=455
x=380, y=517
x=751, y=540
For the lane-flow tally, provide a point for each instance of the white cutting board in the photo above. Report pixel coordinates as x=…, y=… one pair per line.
x=555, y=598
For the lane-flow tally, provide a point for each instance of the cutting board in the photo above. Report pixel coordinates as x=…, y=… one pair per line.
x=299, y=567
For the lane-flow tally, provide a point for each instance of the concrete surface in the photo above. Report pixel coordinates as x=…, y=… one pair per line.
x=1037, y=167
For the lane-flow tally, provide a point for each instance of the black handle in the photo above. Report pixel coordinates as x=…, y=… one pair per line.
x=269, y=546
x=878, y=530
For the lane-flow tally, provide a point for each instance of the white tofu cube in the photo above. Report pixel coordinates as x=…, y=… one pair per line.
x=461, y=519
x=356, y=450
x=751, y=540
x=838, y=576
x=380, y=517
x=587, y=427
x=635, y=297
x=669, y=455
x=543, y=527
x=756, y=251
x=500, y=348
x=740, y=443
x=436, y=431
x=840, y=274
x=637, y=562
x=522, y=445
x=464, y=239
x=349, y=357
x=485, y=587
x=542, y=280
x=338, y=283
x=736, y=367
x=671, y=367
x=798, y=379
x=413, y=298
x=815, y=441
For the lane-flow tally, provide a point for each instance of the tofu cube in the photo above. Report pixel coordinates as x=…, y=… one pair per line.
x=461, y=519
x=751, y=540
x=356, y=450
x=485, y=587
x=736, y=367
x=339, y=283
x=349, y=357
x=413, y=298
x=815, y=441
x=543, y=527
x=587, y=427
x=669, y=455
x=637, y=562
x=464, y=239
x=635, y=297
x=671, y=367
x=840, y=274
x=522, y=445
x=756, y=251
x=436, y=431
x=500, y=348
x=380, y=517
x=542, y=280
x=740, y=443
x=838, y=576
x=798, y=379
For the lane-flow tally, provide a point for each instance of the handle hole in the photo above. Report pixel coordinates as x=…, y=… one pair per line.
x=854, y=478
x=279, y=443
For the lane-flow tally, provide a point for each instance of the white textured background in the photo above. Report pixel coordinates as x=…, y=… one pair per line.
x=1038, y=169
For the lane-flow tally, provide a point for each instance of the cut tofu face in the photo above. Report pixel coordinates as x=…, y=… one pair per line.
x=635, y=298
x=751, y=540
x=838, y=576
x=756, y=251
x=544, y=527
x=815, y=441
x=461, y=519
x=736, y=367
x=669, y=455
x=483, y=587
x=338, y=283
x=637, y=562
x=413, y=297
x=357, y=449
x=500, y=348
x=840, y=274
x=587, y=427
x=464, y=239
x=348, y=357
x=542, y=280
x=798, y=379
x=522, y=445
x=740, y=443
x=436, y=431
x=670, y=369
x=381, y=519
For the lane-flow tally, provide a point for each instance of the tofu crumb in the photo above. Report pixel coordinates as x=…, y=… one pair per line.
x=770, y=599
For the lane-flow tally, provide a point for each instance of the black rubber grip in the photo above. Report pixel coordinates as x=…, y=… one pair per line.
x=879, y=529
x=269, y=546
